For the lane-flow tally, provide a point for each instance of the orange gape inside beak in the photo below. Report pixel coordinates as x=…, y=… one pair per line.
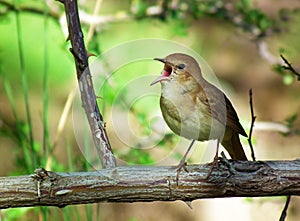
x=166, y=72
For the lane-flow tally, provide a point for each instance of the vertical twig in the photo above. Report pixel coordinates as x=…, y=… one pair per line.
x=92, y=25
x=286, y=206
x=84, y=77
x=253, y=117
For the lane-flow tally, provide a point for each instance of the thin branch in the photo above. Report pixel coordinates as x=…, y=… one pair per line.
x=92, y=26
x=289, y=67
x=272, y=126
x=147, y=184
x=265, y=53
x=88, y=96
x=253, y=117
x=286, y=206
x=61, y=125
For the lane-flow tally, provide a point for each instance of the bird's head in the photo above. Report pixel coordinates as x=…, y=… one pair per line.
x=180, y=67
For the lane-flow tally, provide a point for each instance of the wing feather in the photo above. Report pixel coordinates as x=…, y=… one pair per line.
x=221, y=108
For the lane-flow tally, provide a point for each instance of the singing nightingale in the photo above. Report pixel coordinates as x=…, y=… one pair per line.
x=194, y=108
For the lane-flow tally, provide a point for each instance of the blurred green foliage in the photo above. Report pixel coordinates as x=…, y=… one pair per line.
x=49, y=71
x=291, y=123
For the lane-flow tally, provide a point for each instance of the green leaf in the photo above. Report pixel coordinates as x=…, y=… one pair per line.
x=282, y=51
x=278, y=69
x=264, y=24
x=291, y=119
x=140, y=8
x=288, y=79
x=36, y=146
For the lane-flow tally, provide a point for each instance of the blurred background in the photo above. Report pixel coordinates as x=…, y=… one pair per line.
x=238, y=45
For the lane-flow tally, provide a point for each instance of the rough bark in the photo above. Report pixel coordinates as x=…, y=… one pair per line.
x=144, y=184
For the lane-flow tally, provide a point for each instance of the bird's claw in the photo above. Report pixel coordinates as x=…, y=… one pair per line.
x=228, y=164
x=213, y=164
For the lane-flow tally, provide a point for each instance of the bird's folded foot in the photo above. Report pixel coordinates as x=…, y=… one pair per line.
x=227, y=163
x=213, y=164
x=224, y=161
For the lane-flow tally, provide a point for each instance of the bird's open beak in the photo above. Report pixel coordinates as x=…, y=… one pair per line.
x=164, y=74
x=160, y=78
x=160, y=59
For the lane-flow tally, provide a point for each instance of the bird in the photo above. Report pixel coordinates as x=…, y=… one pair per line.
x=195, y=109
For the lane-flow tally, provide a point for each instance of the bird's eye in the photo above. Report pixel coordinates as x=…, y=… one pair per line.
x=181, y=66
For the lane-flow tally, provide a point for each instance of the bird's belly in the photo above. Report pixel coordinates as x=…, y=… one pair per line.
x=190, y=121
x=196, y=127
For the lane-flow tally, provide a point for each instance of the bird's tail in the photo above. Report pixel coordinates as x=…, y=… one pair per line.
x=234, y=147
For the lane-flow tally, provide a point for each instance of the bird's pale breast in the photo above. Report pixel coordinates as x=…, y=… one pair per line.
x=186, y=115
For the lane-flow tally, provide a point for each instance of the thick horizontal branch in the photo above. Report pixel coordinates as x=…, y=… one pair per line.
x=144, y=184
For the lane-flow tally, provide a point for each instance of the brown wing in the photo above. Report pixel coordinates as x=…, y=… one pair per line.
x=219, y=105
x=233, y=119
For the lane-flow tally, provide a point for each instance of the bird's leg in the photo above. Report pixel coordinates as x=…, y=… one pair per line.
x=215, y=161
x=182, y=163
